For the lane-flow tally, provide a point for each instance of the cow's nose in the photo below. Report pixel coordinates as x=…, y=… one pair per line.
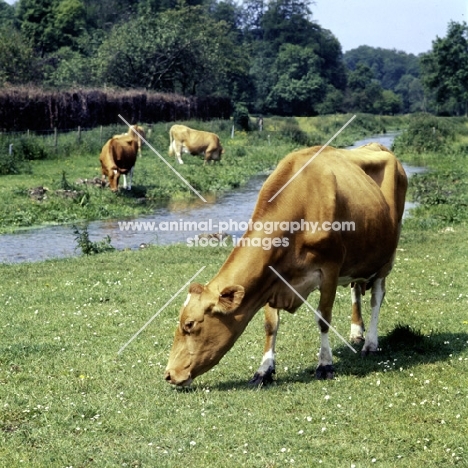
x=167, y=376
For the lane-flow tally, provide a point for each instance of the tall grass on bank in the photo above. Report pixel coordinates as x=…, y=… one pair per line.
x=41, y=162
x=440, y=145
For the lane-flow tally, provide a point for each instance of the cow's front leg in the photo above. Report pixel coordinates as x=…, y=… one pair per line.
x=264, y=374
x=371, y=343
x=357, y=324
x=327, y=297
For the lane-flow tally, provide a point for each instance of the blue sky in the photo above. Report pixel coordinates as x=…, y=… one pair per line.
x=408, y=25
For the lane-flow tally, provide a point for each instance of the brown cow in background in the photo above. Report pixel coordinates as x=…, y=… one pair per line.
x=186, y=140
x=118, y=156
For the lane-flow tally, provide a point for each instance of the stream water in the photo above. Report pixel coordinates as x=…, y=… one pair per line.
x=233, y=207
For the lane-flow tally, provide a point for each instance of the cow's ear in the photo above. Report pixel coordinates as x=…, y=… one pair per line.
x=196, y=288
x=229, y=299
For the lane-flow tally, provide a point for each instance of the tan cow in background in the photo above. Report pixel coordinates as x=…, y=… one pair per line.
x=187, y=140
x=365, y=186
x=118, y=157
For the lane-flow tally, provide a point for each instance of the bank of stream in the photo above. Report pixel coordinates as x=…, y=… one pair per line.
x=232, y=209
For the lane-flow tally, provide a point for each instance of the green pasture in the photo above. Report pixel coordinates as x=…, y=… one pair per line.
x=68, y=399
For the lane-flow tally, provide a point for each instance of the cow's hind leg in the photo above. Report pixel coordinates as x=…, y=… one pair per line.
x=264, y=374
x=130, y=175
x=371, y=342
x=327, y=297
x=357, y=324
x=178, y=149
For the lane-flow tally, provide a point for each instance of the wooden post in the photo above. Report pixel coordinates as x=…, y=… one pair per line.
x=10, y=149
x=55, y=138
x=100, y=135
x=79, y=133
x=232, y=132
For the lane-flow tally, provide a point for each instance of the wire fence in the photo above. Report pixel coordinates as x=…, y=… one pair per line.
x=94, y=138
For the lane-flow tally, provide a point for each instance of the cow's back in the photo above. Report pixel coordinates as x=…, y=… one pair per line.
x=362, y=191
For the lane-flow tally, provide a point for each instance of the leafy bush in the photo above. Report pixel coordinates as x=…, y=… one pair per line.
x=12, y=164
x=241, y=117
x=91, y=248
x=30, y=149
x=292, y=131
x=425, y=133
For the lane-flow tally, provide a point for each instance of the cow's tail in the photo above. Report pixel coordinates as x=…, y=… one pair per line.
x=171, y=149
x=110, y=154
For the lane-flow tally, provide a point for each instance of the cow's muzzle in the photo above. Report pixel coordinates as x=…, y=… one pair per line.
x=171, y=377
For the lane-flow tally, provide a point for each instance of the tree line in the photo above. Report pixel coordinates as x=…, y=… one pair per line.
x=268, y=56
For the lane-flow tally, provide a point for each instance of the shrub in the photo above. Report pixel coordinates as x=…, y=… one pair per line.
x=291, y=131
x=87, y=246
x=12, y=164
x=30, y=149
x=241, y=117
x=425, y=133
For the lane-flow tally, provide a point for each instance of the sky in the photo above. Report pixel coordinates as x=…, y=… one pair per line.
x=406, y=25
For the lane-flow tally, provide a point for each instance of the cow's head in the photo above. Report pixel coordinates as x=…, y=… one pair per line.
x=208, y=327
x=137, y=131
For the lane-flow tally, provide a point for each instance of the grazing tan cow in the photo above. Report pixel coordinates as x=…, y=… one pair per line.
x=186, y=140
x=337, y=223
x=118, y=156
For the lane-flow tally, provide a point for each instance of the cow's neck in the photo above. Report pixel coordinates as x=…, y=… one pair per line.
x=247, y=267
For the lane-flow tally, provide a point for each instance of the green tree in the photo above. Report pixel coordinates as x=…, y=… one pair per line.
x=388, y=66
x=364, y=91
x=51, y=24
x=299, y=85
x=7, y=14
x=168, y=52
x=69, y=22
x=389, y=103
x=445, y=68
x=18, y=64
x=68, y=68
x=411, y=92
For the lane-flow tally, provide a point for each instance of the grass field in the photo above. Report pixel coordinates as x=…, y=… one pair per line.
x=67, y=398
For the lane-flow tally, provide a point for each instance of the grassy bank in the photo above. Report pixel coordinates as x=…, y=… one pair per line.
x=440, y=145
x=76, y=156
x=68, y=399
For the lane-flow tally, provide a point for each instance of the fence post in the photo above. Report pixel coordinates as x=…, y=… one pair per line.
x=232, y=132
x=100, y=136
x=10, y=149
x=79, y=133
x=55, y=138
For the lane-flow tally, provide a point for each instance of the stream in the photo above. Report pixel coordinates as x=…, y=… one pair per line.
x=233, y=208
